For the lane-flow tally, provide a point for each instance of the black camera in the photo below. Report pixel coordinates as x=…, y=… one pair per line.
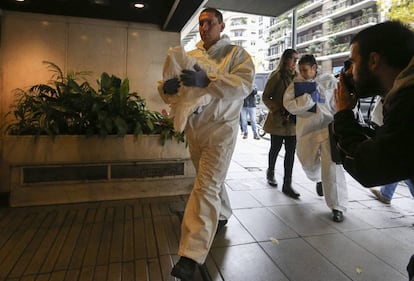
x=347, y=77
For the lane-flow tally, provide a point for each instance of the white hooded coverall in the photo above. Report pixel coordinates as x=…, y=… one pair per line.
x=313, y=148
x=211, y=134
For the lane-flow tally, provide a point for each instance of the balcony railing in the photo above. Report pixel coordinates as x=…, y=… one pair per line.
x=364, y=19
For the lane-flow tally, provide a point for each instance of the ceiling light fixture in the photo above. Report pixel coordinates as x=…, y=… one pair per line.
x=140, y=5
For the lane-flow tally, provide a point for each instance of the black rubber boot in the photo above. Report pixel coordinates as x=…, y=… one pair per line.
x=288, y=189
x=184, y=269
x=319, y=189
x=270, y=176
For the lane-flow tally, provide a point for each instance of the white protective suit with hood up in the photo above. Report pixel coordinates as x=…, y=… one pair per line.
x=313, y=148
x=211, y=133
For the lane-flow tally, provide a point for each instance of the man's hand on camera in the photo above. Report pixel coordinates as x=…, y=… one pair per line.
x=197, y=78
x=171, y=86
x=343, y=98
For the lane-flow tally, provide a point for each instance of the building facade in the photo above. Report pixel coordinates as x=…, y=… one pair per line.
x=323, y=28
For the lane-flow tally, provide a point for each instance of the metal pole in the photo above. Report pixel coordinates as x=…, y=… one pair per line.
x=294, y=32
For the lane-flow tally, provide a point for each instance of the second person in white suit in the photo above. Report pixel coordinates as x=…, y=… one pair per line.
x=314, y=111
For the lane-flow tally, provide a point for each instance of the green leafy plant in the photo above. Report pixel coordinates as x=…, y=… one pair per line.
x=69, y=105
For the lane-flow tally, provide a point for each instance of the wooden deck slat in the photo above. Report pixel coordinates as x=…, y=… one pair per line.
x=17, y=245
x=100, y=215
x=91, y=215
x=117, y=242
x=101, y=272
x=115, y=272
x=141, y=270
x=43, y=277
x=25, y=278
x=92, y=247
x=28, y=253
x=67, y=250
x=162, y=232
x=128, y=245
x=140, y=248
x=86, y=274
x=154, y=269
x=81, y=244
x=150, y=240
x=72, y=275
x=130, y=240
x=105, y=245
x=166, y=264
x=43, y=251
x=57, y=276
x=128, y=271
x=53, y=255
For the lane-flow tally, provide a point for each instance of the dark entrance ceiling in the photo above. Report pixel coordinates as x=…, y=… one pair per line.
x=170, y=15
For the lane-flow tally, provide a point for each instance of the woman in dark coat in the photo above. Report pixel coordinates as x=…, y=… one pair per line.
x=280, y=124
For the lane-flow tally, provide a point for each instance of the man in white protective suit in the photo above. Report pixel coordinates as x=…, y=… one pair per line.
x=211, y=132
x=314, y=111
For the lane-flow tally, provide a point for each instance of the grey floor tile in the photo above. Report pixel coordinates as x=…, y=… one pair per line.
x=246, y=263
x=232, y=234
x=242, y=184
x=356, y=262
x=242, y=199
x=381, y=216
x=351, y=222
x=272, y=197
x=263, y=224
x=299, y=261
x=391, y=251
x=304, y=219
x=403, y=234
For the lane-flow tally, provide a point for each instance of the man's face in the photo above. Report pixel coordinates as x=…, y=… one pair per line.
x=209, y=28
x=307, y=71
x=366, y=83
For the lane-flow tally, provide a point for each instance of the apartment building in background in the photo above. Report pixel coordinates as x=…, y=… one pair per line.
x=324, y=28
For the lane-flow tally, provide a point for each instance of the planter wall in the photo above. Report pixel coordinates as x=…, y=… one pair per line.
x=70, y=169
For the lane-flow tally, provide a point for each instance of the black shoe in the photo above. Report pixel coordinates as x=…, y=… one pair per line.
x=220, y=225
x=410, y=268
x=288, y=189
x=319, y=189
x=270, y=176
x=184, y=269
x=291, y=193
x=337, y=216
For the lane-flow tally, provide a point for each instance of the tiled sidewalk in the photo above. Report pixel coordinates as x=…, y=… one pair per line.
x=270, y=237
x=298, y=237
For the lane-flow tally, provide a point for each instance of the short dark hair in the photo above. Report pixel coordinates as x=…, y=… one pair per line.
x=307, y=59
x=391, y=39
x=216, y=12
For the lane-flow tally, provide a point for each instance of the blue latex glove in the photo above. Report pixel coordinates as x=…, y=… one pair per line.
x=317, y=98
x=171, y=86
x=197, y=78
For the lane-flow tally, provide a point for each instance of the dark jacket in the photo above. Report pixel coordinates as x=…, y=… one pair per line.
x=387, y=156
x=275, y=88
x=250, y=100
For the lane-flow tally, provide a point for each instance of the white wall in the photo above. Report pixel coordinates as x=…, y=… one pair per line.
x=132, y=50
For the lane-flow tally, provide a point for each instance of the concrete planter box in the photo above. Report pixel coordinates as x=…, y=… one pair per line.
x=70, y=169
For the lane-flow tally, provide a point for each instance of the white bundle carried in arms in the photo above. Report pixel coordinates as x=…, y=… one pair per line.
x=188, y=99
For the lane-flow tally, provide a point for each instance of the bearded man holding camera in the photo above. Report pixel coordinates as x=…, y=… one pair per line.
x=382, y=59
